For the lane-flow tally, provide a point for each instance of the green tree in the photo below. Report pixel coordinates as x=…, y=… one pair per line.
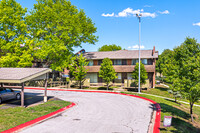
x=174, y=89
x=143, y=74
x=15, y=47
x=107, y=72
x=186, y=70
x=78, y=70
x=112, y=47
x=163, y=59
x=58, y=26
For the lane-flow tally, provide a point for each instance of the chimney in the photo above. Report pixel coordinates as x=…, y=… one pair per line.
x=153, y=52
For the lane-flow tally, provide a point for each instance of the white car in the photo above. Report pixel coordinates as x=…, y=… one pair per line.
x=8, y=94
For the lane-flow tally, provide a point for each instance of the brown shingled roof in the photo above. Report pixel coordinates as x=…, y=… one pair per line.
x=121, y=54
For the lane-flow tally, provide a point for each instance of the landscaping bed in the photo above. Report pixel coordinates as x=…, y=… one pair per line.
x=12, y=117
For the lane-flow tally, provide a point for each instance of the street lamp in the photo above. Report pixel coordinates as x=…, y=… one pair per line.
x=139, y=17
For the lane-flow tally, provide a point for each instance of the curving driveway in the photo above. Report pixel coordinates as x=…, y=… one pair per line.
x=97, y=113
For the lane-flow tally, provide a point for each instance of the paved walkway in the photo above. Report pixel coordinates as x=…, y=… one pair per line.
x=97, y=113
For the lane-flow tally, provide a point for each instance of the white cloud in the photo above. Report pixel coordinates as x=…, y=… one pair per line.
x=196, y=24
x=107, y=15
x=164, y=12
x=136, y=47
x=130, y=12
x=147, y=6
x=147, y=14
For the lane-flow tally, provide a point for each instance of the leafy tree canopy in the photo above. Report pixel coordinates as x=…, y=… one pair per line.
x=185, y=69
x=143, y=74
x=15, y=47
x=112, y=47
x=107, y=72
x=78, y=70
x=163, y=59
x=58, y=27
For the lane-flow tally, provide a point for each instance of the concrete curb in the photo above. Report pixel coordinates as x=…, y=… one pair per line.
x=156, y=126
x=37, y=120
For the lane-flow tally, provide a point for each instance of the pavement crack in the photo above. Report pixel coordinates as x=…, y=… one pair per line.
x=76, y=119
x=129, y=127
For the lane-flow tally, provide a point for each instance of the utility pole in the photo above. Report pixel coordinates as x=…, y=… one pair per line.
x=139, y=17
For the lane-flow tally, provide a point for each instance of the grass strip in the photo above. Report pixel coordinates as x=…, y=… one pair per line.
x=12, y=117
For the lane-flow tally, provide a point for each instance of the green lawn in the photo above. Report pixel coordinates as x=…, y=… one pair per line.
x=12, y=117
x=161, y=90
x=180, y=113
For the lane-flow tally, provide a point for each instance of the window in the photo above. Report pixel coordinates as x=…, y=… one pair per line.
x=150, y=62
x=93, y=77
x=129, y=75
x=124, y=62
x=99, y=62
x=119, y=76
x=134, y=61
x=144, y=61
x=117, y=62
x=90, y=63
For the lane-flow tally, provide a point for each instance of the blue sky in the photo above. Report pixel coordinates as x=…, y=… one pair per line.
x=165, y=24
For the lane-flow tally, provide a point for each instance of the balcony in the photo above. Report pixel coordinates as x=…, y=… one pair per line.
x=121, y=68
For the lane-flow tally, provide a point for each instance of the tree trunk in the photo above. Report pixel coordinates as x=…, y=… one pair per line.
x=80, y=85
x=175, y=99
x=107, y=87
x=191, y=111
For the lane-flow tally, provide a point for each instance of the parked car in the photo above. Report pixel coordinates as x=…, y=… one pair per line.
x=7, y=94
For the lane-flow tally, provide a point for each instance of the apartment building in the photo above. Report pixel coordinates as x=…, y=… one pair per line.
x=124, y=62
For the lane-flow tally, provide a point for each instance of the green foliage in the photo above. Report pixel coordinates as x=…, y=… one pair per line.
x=185, y=69
x=49, y=33
x=143, y=74
x=163, y=59
x=78, y=69
x=175, y=89
x=107, y=72
x=15, y=47
x=112, y=47
x=58, y=26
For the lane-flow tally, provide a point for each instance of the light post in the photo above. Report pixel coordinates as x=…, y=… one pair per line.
x=139, y=17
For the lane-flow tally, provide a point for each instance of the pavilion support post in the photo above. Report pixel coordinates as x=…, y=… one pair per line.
x=45, y=90
x=22, y=95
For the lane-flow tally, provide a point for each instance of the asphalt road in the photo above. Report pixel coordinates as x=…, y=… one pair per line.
x=97, y=113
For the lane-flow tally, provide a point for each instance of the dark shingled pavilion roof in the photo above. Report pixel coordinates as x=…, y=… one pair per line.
x=121, y=54
x=20, y=75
